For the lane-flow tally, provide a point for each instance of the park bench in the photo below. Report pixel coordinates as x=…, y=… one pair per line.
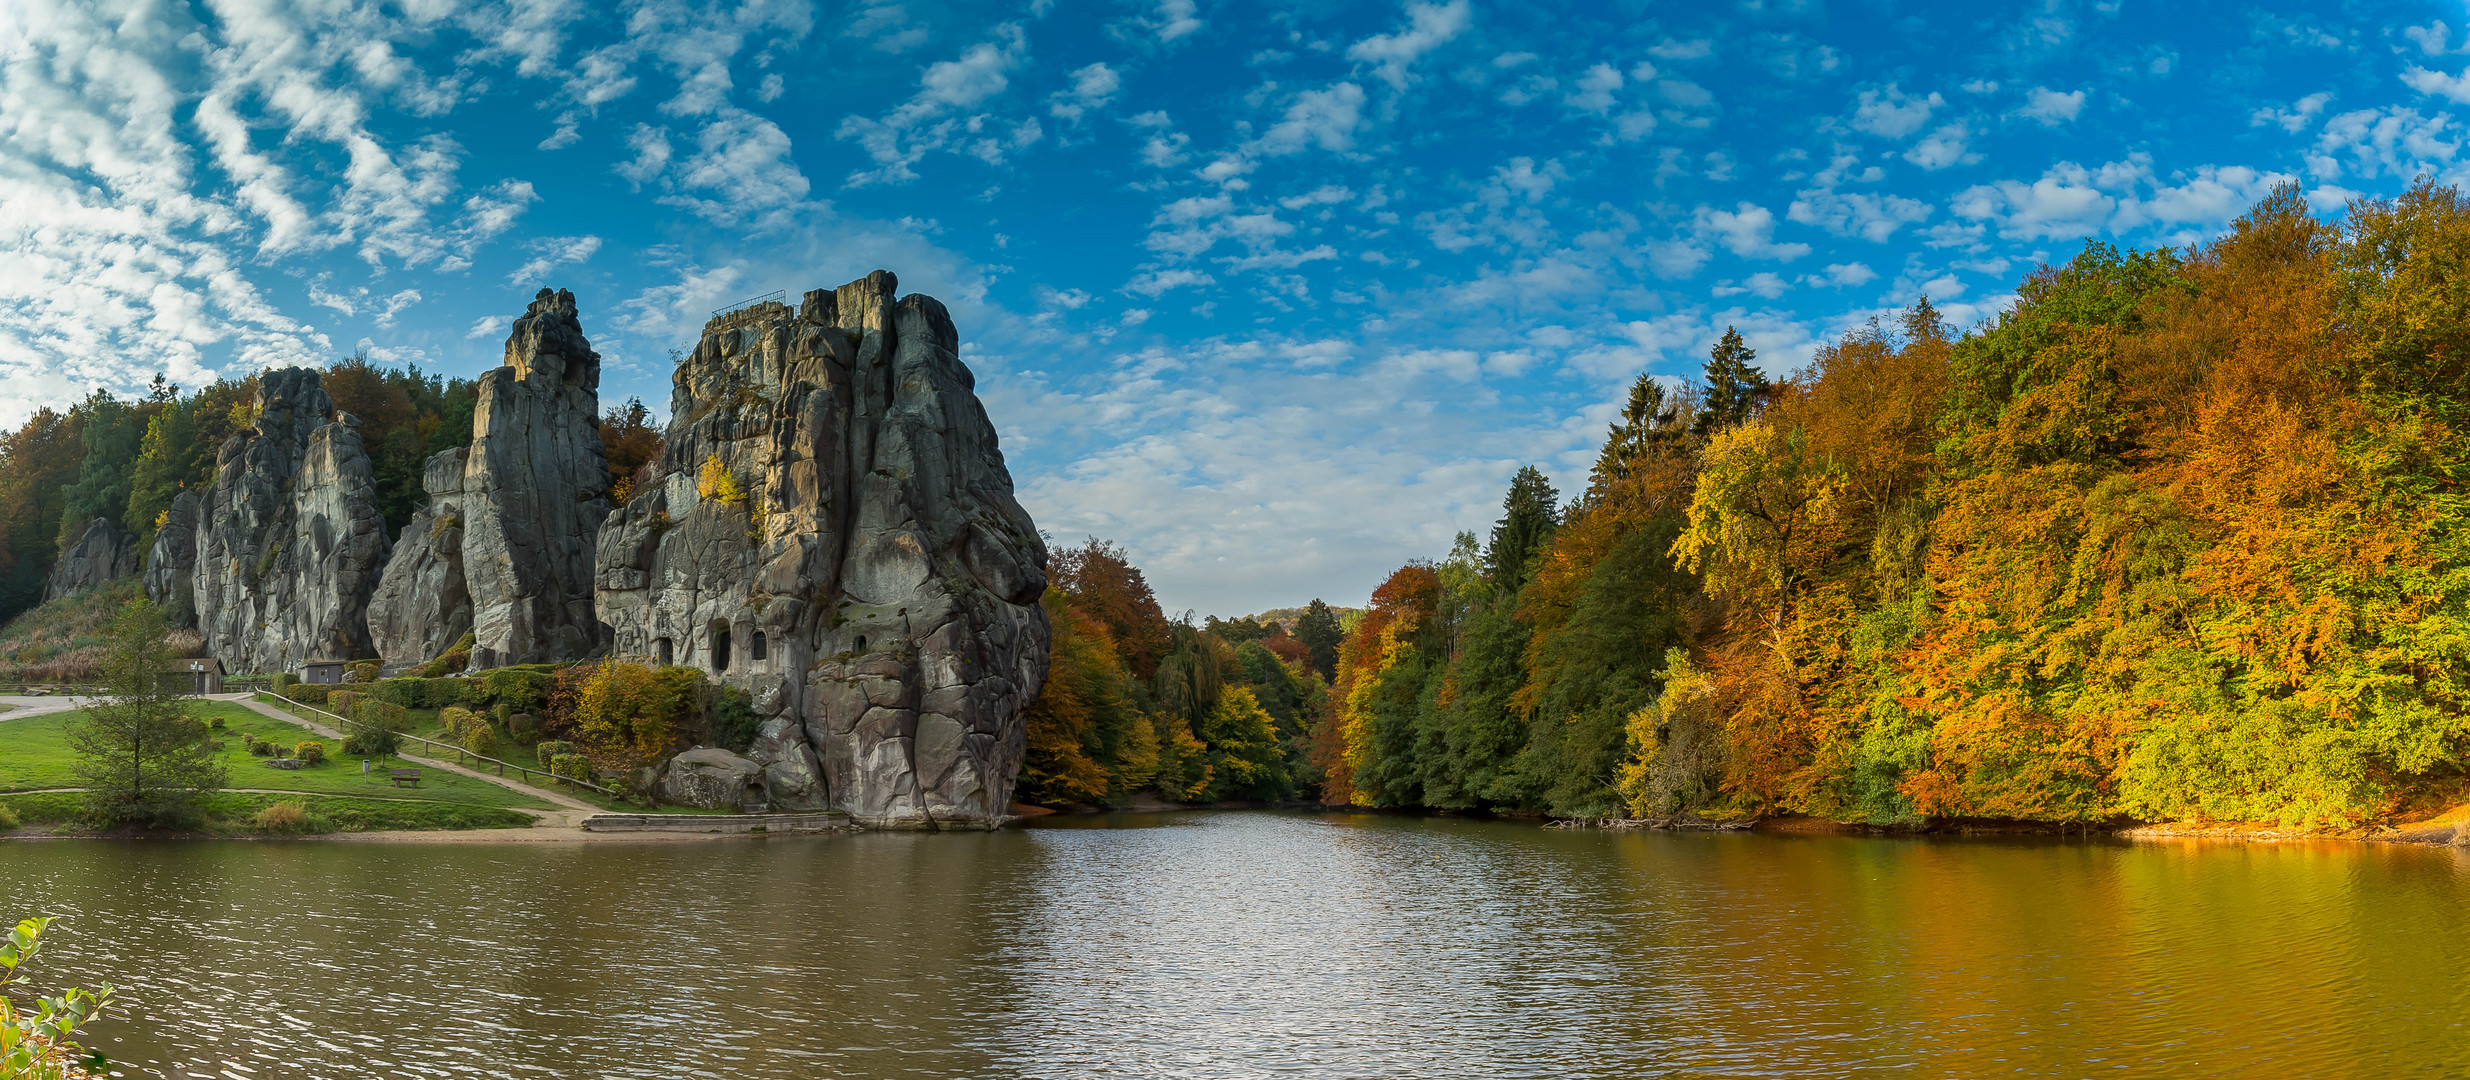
x=401, y=775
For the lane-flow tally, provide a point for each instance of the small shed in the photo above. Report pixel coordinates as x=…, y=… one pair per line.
x=195, y=675
x=325, y=672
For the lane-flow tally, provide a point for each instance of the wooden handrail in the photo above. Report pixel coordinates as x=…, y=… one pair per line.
x=460, y=753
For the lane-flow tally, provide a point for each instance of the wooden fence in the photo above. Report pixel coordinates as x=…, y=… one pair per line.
x=460, y=753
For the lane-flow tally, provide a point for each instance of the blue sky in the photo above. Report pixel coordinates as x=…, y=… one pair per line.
x=1276, y=294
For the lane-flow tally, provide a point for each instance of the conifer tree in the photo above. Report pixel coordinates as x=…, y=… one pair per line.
x=1319, y=631
x=1530, y=513
x=141, y=752
x=1735, y=386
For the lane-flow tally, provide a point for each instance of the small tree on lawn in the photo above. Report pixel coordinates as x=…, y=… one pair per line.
x=141, y=751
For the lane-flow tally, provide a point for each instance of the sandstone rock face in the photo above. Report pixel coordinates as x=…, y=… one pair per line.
x=173, y=559
x=834, y=531
x=289, y=540
x=504, y=549
x=713, y=780
x=101, y=553
x=423, y=604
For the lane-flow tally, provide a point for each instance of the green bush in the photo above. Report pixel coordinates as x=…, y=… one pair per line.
x=552, y=749
x=480, y=740
x=311, y=752
x=572, y=767
x=342, y=702
x=308, y=693
x=215, y=724
x=459, y=721
x=289, y=817
x=282, y=681
x=261, y=749
x=361, y=671
x=420, y=693
x=8, y=819
x=523, y=727
x=378, y=730
x=522, y=689
x=454, y=659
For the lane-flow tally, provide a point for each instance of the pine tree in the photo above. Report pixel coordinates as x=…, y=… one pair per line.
x=1645, y=421
x=1530, y=513
x=1319, y=631
x=143, y=755
x=1734, y=385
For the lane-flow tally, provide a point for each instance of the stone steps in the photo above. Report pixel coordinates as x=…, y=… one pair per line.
x=720, y=824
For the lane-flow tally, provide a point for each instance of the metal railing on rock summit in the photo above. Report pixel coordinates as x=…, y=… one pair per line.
x=460, y=753
x=775, y=296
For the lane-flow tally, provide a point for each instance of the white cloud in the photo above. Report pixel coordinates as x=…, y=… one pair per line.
x=927, y=121
x=1324, y=118
x=1429, y=26
x=2294, y=119
x=2430, y=38
x=2451, y=87
x=1747, y=230
x=1764, y=285
x=1596, y=89
x=1159, y=282
x=1871, y=217
x=549, y=253
x=1893, y=114
x=1092, y=88
x=2050, y=107
x=1844, y=276
x=1176, y=18
x=1944, y=147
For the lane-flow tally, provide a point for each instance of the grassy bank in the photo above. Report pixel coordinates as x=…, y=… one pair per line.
x=232, y=813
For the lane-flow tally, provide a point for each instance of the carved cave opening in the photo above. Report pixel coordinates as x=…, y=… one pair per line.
x=661, y=652
x=720, y=646
x=761, y=648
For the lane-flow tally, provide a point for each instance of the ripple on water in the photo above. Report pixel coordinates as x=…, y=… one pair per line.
x=1262, y=945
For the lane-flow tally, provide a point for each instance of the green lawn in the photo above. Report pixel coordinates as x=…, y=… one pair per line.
x=34, y=755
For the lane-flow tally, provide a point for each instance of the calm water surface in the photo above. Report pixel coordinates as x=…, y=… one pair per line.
x=1257, y=944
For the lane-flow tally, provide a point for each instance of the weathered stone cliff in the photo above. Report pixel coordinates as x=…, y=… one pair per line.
x=289, y=538
x=833, y=529
x=172, y=562
x=504, y=549
x=102, y=552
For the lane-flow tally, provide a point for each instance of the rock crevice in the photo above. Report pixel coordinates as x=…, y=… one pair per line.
x=102, y=552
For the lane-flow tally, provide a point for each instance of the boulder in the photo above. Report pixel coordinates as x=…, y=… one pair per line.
x=289, y=540
x=172, y=561
x=102, y=552
x=504, y=550
x=832, y=529
x=713, y=780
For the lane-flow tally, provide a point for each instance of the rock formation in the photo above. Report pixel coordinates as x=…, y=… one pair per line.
x=833, y=530
x=103, y=552
x=172, y=562
x=504, y=550
x=289, y=540
x=713, y=779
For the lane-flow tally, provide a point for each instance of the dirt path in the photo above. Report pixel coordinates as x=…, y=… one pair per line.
x=22, y=706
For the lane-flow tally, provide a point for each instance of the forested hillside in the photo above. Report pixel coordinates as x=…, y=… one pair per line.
x=2180, y=536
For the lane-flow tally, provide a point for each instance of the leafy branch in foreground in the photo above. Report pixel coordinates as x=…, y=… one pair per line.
x=34, y=1043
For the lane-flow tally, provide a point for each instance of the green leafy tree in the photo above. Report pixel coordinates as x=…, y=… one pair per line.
x=1529, y=514
x=1735, y=387
x=164, y=461
x=111, y=435
x=142, y=753
x=1245, y=758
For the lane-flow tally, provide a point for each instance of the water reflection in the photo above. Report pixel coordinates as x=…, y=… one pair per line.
x=1241, y=945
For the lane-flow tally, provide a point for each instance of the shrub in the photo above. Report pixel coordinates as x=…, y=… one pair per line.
x=571, y=766
x=282, y=681
x=215, y=724
x=480, y=740
x=520, y=688
x=638, y=714
x=523, y=727
x=8, y=819
x=342, y=702
x=378, y=731
x=311, y=752
x=286, y=817
x=361, y=671
x=420, y=693
x=459, y=721
x=308, y=693
x=551, y=749
x=505, y=714
x=261, y=749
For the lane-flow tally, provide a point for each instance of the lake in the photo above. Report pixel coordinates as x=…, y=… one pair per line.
x=1263, y=944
